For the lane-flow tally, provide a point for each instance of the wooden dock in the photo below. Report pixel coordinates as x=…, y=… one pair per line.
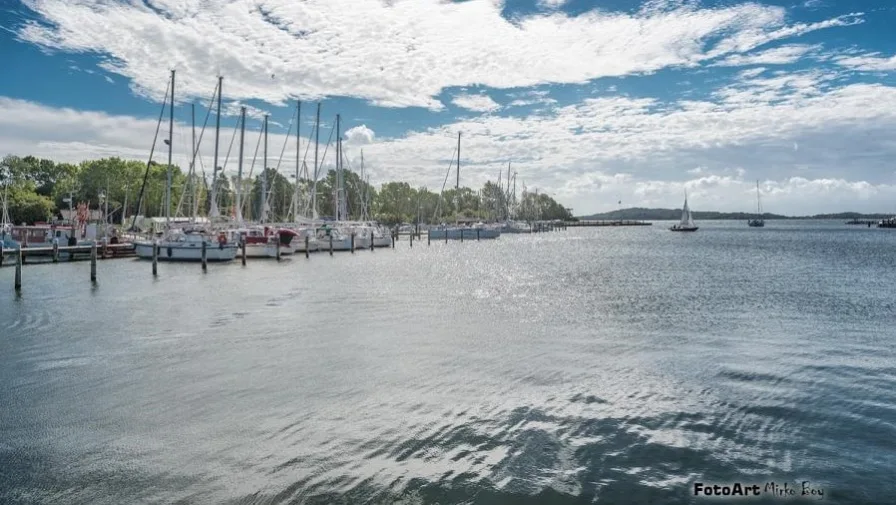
x=31, y=255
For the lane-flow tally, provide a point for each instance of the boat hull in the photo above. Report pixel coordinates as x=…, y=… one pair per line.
x=756, y=224
x=190, y=252
x=687, y=228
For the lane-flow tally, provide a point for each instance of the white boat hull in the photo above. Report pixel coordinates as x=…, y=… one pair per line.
x=187, y=252
x=339, y=244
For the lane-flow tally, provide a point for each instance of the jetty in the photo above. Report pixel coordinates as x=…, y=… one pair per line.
x=608, y=222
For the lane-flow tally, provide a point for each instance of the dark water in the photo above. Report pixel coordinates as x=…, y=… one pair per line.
x=616, y=365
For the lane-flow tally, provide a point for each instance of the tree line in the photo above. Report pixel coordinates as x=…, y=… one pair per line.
x=36, y=190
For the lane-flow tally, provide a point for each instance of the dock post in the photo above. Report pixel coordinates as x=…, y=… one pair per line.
x=412, y=239
x=371, y=240
x=277, y=251
x=394, y=238
x=204, y=256
x=428, y=238
x=243, y=251
x=477, y=234
x=307, y=240
x=55, y=250
x=1, y=254
x=462, y=230
x=446, y=235
x=353, y=242
x=155, y=258
x=331, y=244
x=18, y=282
x=93, y=263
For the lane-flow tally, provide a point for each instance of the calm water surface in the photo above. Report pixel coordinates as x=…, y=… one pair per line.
x=616, y=365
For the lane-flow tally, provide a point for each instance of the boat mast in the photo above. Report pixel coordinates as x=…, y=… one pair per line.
x=295, y=212
x=457, y=185
x=239, y=170
x=213, y=209
x=170, y=152
x=192, y=161
x=264, y=174
x=316, y=146
x=338, y=169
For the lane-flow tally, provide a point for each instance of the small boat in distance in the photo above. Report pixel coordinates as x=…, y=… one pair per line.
x=687, y=221
x=757, y=222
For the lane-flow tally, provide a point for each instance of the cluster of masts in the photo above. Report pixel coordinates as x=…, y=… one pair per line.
x=304, y=200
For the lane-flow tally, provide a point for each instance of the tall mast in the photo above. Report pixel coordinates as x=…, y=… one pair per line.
x=170, y=150
x=457, y=184
x=264, y=174
x=338, y=168
x=192, y=160
x=213, y=210
x=316, y=146
x=295, y=212
x=239, y=170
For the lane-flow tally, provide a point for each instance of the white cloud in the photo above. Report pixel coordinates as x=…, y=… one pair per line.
x=777, y=56
x=275, y=50
x=476, y=103
x=589, y=154
x=359, y=136
x=872, y=62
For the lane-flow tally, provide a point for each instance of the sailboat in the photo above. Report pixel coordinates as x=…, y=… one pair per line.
x=757, y=222
x=687, y=221
x=478, y=231
x=186, y=244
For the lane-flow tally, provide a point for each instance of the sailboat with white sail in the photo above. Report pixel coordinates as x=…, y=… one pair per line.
x=757, y=222
x=687, y=220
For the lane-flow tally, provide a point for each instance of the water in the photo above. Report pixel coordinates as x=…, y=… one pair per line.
x=601, y=365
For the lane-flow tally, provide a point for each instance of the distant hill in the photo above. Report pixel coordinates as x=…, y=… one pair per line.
x=640, y=213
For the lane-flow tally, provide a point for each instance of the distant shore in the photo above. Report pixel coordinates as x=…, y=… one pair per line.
x=644, y=214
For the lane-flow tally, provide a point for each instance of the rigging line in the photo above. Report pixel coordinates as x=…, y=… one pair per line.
x=252, y=169
x=324, y=156
x=151, y=151
x=285, y=143
x=230, y=148
x=448, y=173
x=307, y=148
x=208, y=114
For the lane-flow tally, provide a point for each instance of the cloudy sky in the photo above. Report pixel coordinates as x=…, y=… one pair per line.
x=592, y=101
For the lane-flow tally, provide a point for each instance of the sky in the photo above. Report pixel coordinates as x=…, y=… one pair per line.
x=594, y=102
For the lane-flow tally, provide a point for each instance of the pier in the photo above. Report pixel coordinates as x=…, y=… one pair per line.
x=613, y=222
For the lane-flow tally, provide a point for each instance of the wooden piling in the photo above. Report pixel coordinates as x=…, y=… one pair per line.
x=93, y=263
x=394, y=238
x=428, y=239
x=412, y=239
x=277, y=250
x=353, y=242
x=155, y=258
x=446, y=235
x=55, y=250
x=331, y=244
x=462, y=230
x=243, y=251
x=204, y=256
x=371, y=240
x=18, y=281
x=477, y=234
x=307, y=241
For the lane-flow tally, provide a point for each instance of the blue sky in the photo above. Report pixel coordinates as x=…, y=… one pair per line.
x=590, y=101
